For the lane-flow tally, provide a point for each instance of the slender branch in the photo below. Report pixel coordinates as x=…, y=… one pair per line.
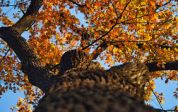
x=157, y=98
x=109, y=29
x=124, y=8
x=117, y=13
x=158, y=6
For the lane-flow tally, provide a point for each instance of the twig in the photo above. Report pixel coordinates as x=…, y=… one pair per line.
x=157, y=98
x=110, y=28
x=158, y=6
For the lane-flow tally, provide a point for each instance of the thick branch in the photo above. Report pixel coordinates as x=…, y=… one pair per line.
x=168, y=66
x=37, y=73
x=17, y=43
x=140, y=44
x=29, y=16
x=12, y=34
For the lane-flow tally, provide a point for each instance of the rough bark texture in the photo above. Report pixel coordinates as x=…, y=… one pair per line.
x=96, y=99
x=119, y=89
x=129, y=78
x=80, y=86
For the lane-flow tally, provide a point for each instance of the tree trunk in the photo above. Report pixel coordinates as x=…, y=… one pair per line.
x=95, y=99
x=99, y=90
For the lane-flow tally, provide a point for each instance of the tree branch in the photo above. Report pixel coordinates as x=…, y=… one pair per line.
x=102, y=36
x=168, y=66
x=29, y=16
x=17, y=43
x=140, y=44
x=158, y=6
x=12, y=35
x=38, y=74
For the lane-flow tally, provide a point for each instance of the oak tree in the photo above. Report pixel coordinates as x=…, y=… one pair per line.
x=57, y=61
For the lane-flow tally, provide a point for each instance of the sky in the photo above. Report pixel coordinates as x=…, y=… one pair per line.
x=9, y=99
x=167, y=89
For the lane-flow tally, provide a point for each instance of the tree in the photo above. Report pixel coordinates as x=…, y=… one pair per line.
x=139, y=33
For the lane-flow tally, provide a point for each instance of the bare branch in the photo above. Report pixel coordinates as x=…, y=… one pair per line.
x=157, y=99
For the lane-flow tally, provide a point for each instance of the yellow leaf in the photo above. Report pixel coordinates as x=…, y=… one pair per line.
x=115, y=50
x=143, y=3
x=168, y=26
x=147, y=37
x=141, y=31
x=123, y=1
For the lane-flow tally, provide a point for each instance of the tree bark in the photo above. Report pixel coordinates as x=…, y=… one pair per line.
x=119, y=89
x=96, y=99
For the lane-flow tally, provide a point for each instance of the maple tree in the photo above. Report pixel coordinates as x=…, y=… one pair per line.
x=138, y=31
